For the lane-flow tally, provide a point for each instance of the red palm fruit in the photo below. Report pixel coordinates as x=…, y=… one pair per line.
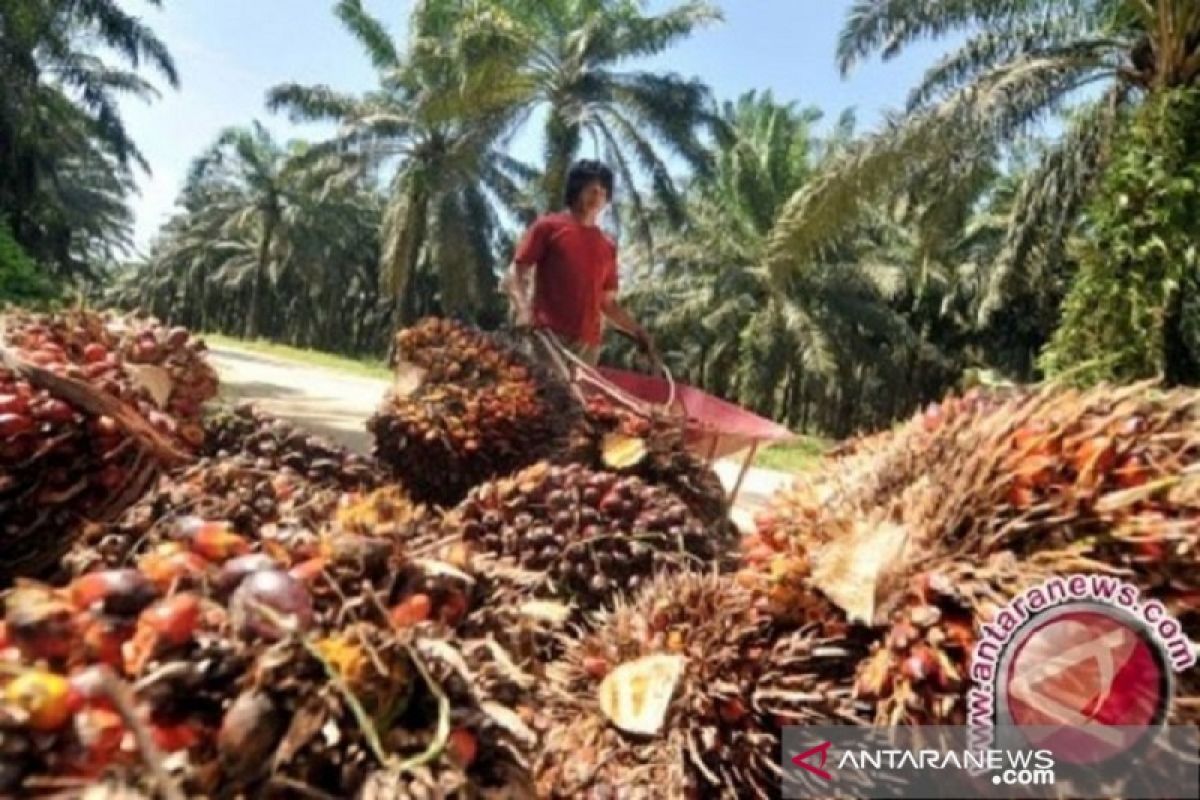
x=463, y=746
x=174, y=619
x=217, y=542
x=94, y=353
x=13, y=404
x=53, y=410
x=172, y=738
x=15, y=424
x=120, y=591
x=411, y=611
x=103, y=638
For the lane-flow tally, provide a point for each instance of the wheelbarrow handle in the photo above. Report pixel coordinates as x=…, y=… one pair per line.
x=657, y=364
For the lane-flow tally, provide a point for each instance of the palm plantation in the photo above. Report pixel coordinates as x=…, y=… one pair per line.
x=1021, y=63
x=66, y=159
x=831, y=278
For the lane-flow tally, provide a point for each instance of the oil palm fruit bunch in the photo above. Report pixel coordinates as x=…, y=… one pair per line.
x=465, y=408
x=614, y=437
x=161, y=371
x=492, y=735
x=1052, y=470
x=683, y=691
x=582, y=534
x=86, y=419
x=233, y=493
x=273, y=662
x=275, y=444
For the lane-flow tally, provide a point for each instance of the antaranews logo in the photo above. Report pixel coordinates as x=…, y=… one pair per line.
x=1082, y=660
x=821, y=750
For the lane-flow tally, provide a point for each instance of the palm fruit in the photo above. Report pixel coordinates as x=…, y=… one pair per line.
x=683, y=692
x=465, y=408
x=268, y=672
x=275, y=444
x=493, y=728
x=584, y=533
x=1105, y=469
x=90, y=407
x=614, y=437
x=234, y=492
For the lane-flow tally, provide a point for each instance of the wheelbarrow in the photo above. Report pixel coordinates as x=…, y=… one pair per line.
x=713, y=428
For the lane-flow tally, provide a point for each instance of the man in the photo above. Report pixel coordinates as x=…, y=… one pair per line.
x=573, y=266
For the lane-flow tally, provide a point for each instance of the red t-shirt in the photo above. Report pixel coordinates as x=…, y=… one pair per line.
x=575, y=265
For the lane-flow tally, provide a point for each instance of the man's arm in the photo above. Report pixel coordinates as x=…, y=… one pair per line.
x=518, y=285
x=625, y=321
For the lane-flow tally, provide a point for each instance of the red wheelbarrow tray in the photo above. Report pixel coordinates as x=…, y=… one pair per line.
x=715, y=428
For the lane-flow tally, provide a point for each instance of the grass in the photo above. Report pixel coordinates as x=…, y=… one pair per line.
x=798, y=456
x=370, y=368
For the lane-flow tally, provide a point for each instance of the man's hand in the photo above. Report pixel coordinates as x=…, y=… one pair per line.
x=645, y=343
x=521, y=312
x=514, y=285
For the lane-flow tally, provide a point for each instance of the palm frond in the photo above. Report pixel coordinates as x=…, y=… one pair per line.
x=1049, y=200
x=976, y=118
x=370, y=33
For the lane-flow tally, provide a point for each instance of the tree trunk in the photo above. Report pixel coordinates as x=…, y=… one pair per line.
x=253, y=317
x=562, y=139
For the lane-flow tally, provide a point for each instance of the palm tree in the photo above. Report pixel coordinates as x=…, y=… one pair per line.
x=321, y=264
x=574, y=53
x=1022, y=62
x=814, y=354
x=442, y=127
x=67, y=156
x=253, y=186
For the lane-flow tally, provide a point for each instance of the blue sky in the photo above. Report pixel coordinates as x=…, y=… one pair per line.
x=230, y=52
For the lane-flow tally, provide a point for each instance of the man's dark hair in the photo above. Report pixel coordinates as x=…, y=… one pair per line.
x=583, y=173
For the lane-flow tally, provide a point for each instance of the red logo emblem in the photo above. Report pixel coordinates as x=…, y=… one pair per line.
x=1080, y=677
x=802, y=760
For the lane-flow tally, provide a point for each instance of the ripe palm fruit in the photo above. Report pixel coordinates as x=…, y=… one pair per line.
x=585, y=533
x=662, y=458
x=60, y=462
x=735, y=682
x=465, y=408
x=268, y=444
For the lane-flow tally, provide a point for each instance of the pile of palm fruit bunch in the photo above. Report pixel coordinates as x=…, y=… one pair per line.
x=556, y=541
x=258, y=475
x=682, y=691
x=613, y=436
x=92, y=407
x=925, y=533
x=465, y=407
x=246, y=432
x=323, y=664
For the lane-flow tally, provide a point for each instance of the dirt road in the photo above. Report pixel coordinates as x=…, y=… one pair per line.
x=337, y=405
